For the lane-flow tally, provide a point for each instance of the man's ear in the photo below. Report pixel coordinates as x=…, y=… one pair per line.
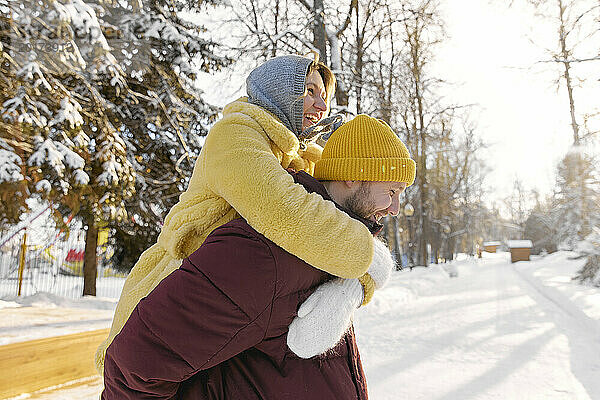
x=350, y=184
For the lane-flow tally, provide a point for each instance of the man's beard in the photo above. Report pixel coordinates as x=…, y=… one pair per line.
x=360, y=202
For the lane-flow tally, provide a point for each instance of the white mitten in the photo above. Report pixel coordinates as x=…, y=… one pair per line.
x=324, y=317
x=382, y=265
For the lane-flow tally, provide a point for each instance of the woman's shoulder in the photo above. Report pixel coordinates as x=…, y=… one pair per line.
x=249, y=119
x=239, y=112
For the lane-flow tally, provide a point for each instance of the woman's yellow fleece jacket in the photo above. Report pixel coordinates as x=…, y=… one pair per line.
x=239, y=170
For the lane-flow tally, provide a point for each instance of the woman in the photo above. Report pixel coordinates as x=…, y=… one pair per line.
x=240, y=172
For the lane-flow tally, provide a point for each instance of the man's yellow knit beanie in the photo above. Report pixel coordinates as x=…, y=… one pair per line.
x=365, y=149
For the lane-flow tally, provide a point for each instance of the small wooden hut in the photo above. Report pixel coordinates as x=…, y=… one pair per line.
x=519, y=250
x=491, y=246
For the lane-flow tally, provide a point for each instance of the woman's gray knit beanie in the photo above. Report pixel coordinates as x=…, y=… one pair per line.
x=278, y=86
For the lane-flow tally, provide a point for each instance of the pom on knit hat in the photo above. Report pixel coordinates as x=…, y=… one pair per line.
x=365, y=149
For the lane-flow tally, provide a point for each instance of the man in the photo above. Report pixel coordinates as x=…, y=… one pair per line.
x=217, y=328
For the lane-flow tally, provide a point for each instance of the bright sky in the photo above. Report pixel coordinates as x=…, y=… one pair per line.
x=520, y=113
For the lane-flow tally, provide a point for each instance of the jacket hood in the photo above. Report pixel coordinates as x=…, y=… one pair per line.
x=278, y=86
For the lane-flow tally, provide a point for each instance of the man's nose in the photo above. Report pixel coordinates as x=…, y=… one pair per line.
x=394, y=208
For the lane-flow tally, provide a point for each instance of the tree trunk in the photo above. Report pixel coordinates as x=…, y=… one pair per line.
x=410, y=245
x=341, y=93
x=565, y=55
x=276, y=23
x=385, y=234
x=333, y=37
x=397, y=248
x=422, y=167
x=319, y=34
x=90, y=261
x=358, y=65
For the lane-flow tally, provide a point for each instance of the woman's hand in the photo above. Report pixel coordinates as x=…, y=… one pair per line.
x=324, y=317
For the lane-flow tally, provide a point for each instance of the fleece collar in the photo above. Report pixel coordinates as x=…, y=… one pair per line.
x=277, y=132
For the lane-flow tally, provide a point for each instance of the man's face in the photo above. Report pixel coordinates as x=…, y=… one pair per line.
x=374, y=200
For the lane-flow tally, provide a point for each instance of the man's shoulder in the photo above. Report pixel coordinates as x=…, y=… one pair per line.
x=238, y=227
x=310, y=183
x=233, y=243
x=235, y=258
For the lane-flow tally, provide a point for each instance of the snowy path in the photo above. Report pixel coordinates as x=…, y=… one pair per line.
x=497, y=331
x=493, y=332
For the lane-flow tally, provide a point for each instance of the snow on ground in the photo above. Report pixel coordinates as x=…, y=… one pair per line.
x=81, y=389
x=495, y=331
x=45, y=315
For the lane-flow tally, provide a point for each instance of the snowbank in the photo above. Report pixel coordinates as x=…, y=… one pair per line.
x=45, y=315
x=49, y=300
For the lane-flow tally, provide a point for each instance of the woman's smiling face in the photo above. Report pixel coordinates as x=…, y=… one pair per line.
x=315, y=100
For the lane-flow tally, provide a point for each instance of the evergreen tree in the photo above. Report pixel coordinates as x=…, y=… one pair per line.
x=540, y=229
x=13, y=187
x=590, y=248
x=167, y=119
x=577, y=199
x=103, y=100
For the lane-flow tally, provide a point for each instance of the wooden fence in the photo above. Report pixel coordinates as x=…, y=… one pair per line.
x=36, y=364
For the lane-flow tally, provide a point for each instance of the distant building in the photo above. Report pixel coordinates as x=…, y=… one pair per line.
x=491, y=246
x=519, y=250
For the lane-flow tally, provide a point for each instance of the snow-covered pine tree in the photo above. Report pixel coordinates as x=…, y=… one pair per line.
x=541, y=229
x=105, y=125
x=76, y=159
x=577, y=199
x=166, y=123
x=13, y=187
x=590, y=248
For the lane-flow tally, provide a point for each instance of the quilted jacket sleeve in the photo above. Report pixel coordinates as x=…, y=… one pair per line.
x=241, y=167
